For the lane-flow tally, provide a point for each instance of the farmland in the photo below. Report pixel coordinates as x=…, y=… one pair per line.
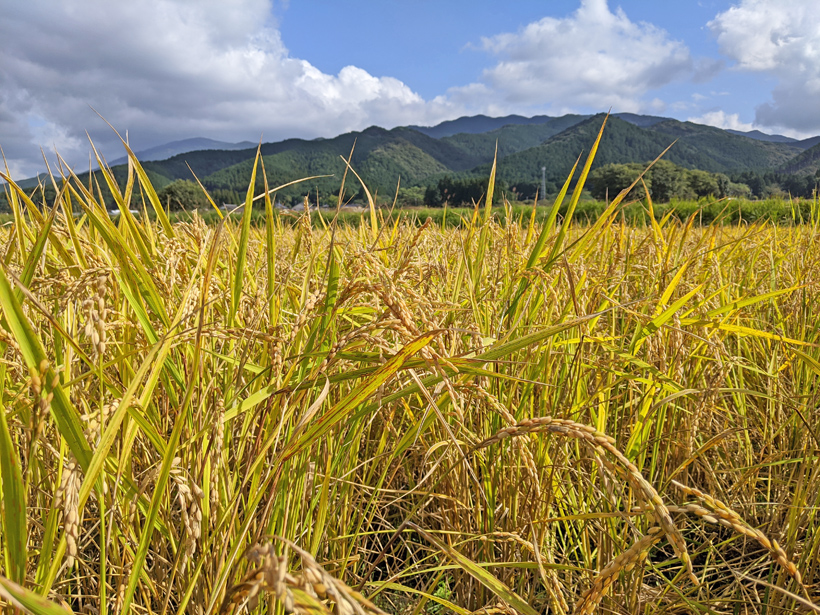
x=521, y=413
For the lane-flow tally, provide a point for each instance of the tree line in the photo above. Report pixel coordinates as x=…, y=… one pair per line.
x=664, y=180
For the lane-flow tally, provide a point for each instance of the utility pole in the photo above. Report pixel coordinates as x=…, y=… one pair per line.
x=543, y=182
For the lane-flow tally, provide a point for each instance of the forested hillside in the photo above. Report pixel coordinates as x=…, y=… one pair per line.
x=380, y=157
x=727, y=152
x=449, y=162
x=806, y=162
x=512, y=138
x=622, y=142
x=477, y=124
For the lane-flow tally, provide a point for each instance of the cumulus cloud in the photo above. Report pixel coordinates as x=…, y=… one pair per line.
x=782, y=40
x=594, y=58
x=721, y=119
x=172, y=69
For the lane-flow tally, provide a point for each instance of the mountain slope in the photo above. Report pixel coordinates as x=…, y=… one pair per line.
x=621, y=142
x=380, y=156
x=728, y=152
x=641, y=121
x=807, y=143
x=313, y=154
x=556, y=143
x=511, y=138
x=695, y=147
x=202, y=163
x=476, y=124
x=762, y=136
x=168, y=150
x=524, y=146
x=805, y=163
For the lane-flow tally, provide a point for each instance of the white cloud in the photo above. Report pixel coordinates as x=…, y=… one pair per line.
x=782, y=40
x=594, y=58
x=172, y=69
x=721, y=119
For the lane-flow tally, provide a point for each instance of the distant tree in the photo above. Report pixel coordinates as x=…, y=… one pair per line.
x=774, y=191
x=704, y=184
x=411, y=197
x=610, y=179
x=461, y=192
x=799, y=185
x=723, y=184
x=527, y=190
x=668, y=181
x=665, y=181
x=230, y=197
x=738, y=190
x=756, y=183
x=183, y=194
x=432, y=197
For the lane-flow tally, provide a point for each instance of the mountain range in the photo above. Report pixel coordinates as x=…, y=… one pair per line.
x=465, y=147
x=167, y=150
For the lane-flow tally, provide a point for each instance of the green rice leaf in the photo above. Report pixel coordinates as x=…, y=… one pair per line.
x=63, y=411
x=488, y=200
x=742, y=303
x=361, y=393
x=642, y=332
x=147, y=187
x=242, y=250
x=480, y=574
x=28, y=600
x=576, y=194
x=405, y=589
x=36, y=252
x=374, y=219
x=14, y=500
x=503, y=349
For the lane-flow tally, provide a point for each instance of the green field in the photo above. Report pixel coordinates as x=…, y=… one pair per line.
x=577, y=408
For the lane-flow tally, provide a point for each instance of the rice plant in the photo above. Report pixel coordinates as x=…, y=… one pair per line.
x=511, y=416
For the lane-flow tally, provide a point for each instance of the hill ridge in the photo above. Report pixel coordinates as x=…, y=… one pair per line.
x=383, y=156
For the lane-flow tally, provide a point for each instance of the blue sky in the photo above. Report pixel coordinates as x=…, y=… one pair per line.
x=432, y=45
x=238, y=70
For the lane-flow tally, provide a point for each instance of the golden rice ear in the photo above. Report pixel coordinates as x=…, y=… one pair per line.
x=718, y=512
x=625, y=561
x=654, y=506
x=310, y=591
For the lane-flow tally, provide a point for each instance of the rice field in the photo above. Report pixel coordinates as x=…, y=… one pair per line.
x=509, y=416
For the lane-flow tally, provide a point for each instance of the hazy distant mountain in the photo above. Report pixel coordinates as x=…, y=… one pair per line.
x=762, y=136
x=807, y=143
x=167, y=150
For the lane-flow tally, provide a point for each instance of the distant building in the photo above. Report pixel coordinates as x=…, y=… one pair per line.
x=113, y=212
